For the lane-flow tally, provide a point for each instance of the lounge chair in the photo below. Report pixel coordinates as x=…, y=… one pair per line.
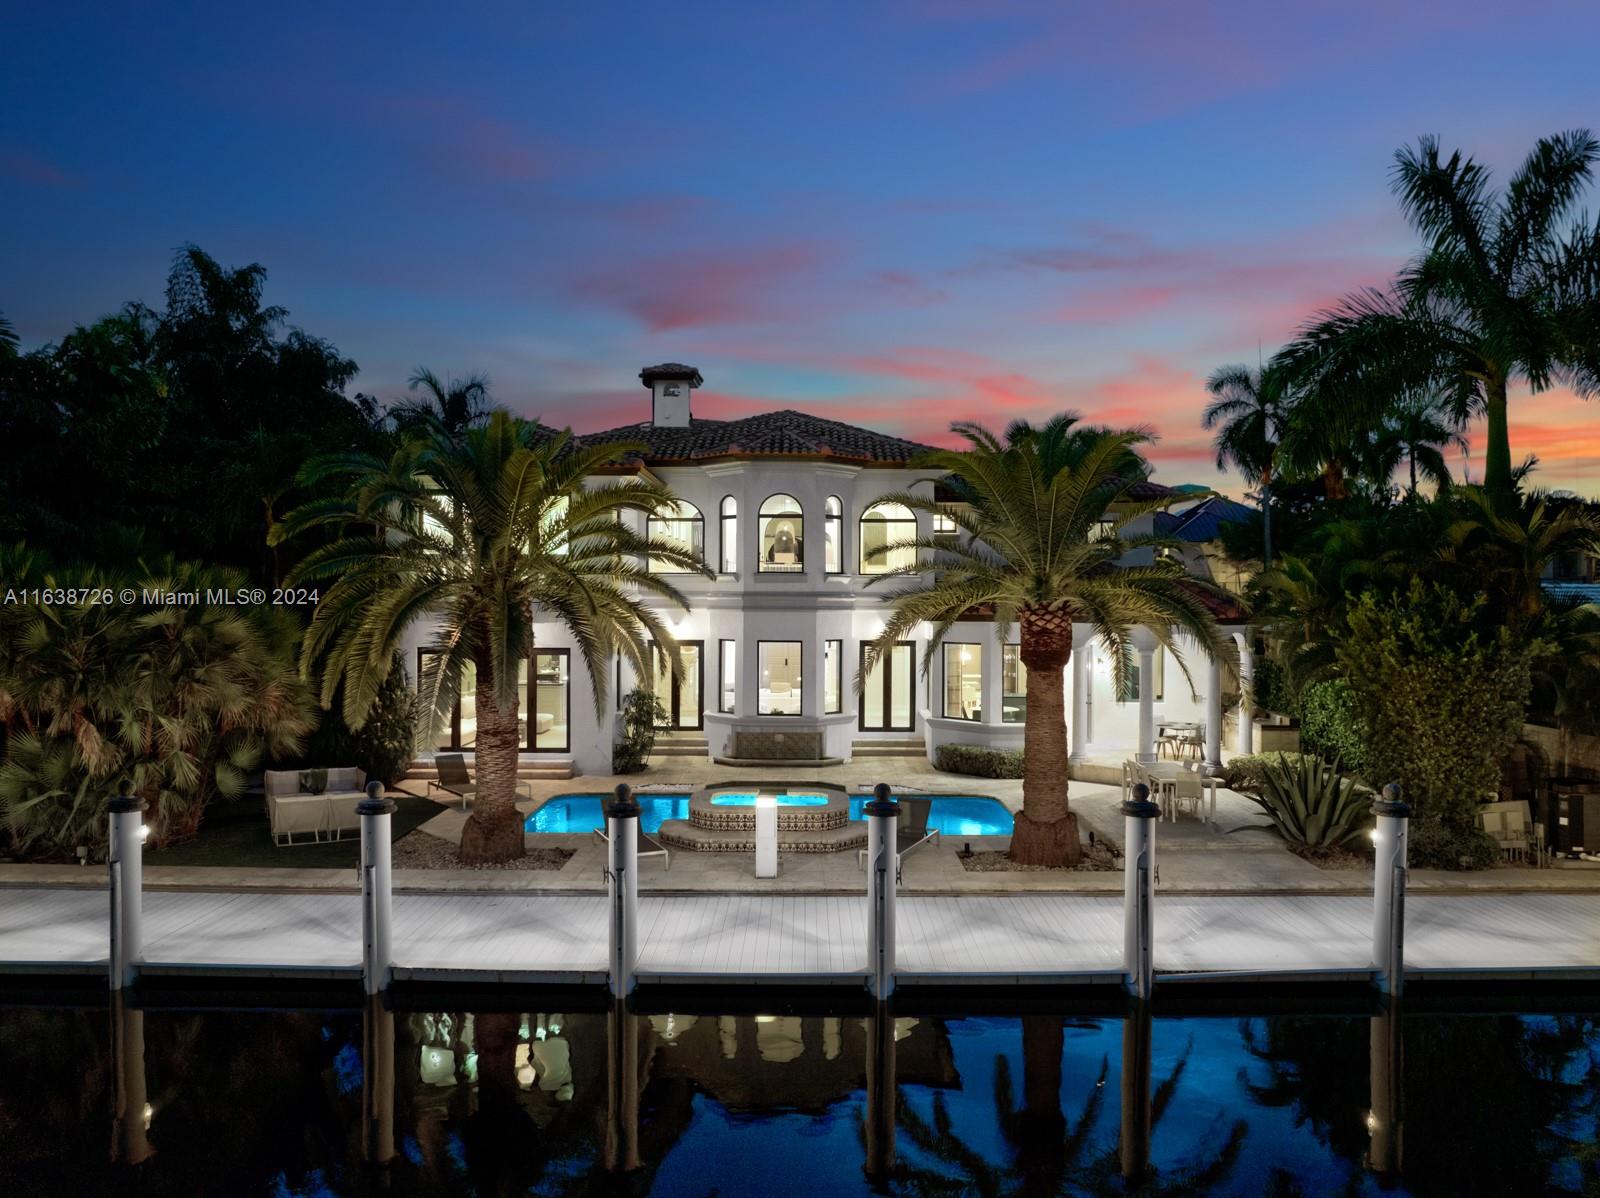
x=911, y=831
x=649, y=846
x=456, y=779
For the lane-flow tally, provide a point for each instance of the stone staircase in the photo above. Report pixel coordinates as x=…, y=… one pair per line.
x=910, y=746
x=680, y=744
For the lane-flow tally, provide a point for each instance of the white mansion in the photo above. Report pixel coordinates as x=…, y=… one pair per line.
x=786, y=507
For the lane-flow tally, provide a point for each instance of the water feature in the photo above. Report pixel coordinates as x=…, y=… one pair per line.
x=952, y=815
x=275, y=1103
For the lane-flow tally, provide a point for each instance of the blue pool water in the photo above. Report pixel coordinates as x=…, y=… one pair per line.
x=952, y=815
x=749, y=800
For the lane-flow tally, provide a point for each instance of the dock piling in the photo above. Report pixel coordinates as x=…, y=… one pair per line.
x=125, y=870
x=883, y=869
x=1389, y=841
x=1138, y=892
x=377, y=890
x=622, y=888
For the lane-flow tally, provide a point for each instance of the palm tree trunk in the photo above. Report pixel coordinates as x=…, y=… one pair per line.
x=1046, y=832
x=1333, y=484
x=1266, y=520
x=1497, y=453
x=493, y=832
x=1413, y=456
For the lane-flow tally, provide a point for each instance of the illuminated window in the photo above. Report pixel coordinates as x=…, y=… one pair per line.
x=832, y=677
x=963, y=681
x=883, y=525
x=1013, y=686
x=728, y=675
x=682, y=524
x=781, y=680
x=833, y=536
x=782, y=537
x=730, y=534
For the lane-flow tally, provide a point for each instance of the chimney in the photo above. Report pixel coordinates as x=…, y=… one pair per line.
x=670, y=384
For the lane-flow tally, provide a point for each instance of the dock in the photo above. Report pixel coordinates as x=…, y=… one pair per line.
x=793, y=940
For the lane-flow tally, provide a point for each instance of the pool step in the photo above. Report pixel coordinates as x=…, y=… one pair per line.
x=901, y=747
x=681, y=834
x=680, y=744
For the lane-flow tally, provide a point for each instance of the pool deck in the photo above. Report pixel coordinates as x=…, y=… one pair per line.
x=790, y=940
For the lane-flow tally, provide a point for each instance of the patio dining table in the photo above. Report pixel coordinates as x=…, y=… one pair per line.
x=1163, y=775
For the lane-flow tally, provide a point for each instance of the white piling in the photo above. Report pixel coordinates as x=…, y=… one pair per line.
x=125, y=870
x=766, y=836
x=883, y=867
x=377, y=890
x=1389, y=842
x=622, y=888
x=1138, y=891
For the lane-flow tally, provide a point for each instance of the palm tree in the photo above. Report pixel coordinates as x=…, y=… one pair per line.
x=1414, y=432
x=458, y=404
x=1045, y=512
x=1505, y=289
x=9, y=341
x=476, y=528
x=1247, y=410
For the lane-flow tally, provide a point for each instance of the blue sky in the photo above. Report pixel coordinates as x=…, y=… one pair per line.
x=900, y=214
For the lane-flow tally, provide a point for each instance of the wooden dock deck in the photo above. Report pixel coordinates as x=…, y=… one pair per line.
x=792, y=939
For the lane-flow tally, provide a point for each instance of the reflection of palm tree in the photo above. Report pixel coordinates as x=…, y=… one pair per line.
x=1056, y=1167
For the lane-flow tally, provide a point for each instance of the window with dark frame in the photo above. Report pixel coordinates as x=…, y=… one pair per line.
x=882, y=525
x=780, y=677
x=728, y=520
x=781, y=535
x=832, y=677
x=963, y=681
x=727, y=677
x=682, y=524
x=833, y=536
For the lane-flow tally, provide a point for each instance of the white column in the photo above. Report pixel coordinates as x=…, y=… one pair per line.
x=1147, y=696
x=377, y=904
x=766, y=836
x=1080, y=700
x=883, y=866
x=622, y=884
x=1214, y=714
x=125, y=869
x=1244, y=734
x=1138, y=891
x=1389, y=890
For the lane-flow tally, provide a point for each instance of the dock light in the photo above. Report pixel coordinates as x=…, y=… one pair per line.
x=1374, y=835
x=149, y=1114
x=1372, y=1121
x=144, y=832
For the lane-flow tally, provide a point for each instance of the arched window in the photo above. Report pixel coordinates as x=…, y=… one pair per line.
x=882, y=525
x=730, y=534
x=680, y=522
x=833, y=536
x=782, y=535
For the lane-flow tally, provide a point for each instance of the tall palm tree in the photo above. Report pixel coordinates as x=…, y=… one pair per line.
x=1246, y=410
x=1416, y=433
x=458, y=404
x=1046, y=514
x=9, y=341
x=1505, y=289
x=476, y=529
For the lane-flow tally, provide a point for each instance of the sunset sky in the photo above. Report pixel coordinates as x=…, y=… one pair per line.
x=895, y=214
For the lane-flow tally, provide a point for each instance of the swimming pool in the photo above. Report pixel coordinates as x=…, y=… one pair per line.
x=952, y=815
x=785, y=800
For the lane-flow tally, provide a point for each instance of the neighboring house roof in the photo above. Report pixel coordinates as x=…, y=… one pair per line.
x=1225, y=608
x=1204, y=521
x=785, y=433
x=1571, y=592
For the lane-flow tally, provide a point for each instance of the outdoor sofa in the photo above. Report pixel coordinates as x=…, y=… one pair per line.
x=295, y=808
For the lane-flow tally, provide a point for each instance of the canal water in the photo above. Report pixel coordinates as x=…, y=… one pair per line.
x=312, y=1102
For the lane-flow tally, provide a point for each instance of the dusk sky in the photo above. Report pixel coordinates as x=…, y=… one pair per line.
x=893, y=214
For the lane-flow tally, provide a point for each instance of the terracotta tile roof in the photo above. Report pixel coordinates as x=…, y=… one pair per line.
x=770, y=434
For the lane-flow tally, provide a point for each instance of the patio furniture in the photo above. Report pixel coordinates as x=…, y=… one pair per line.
x=1186, y=788
x=292, y=809
x=1513, y=831
x=649, y=846
x=456, y=779
x=911, y=831
x=1162, y=778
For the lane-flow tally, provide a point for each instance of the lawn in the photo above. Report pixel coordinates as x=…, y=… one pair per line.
x=238, y=834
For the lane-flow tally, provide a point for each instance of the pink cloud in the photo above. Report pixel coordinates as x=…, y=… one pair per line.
x=736, y=285
x=24, y=166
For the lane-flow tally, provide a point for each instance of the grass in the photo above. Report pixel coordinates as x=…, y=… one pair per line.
x=237, y=834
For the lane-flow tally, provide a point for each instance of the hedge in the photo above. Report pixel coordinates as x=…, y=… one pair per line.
x=978, y=762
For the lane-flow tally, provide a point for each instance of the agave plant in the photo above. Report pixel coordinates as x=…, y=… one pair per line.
x=1312, y=804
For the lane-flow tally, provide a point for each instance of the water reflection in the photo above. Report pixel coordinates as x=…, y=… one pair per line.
x=460, y=1102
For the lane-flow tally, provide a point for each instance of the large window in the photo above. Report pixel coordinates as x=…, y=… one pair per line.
x=730, y=534
x=963, y=681
x=882, y=525
x=887, y=690
x=1013, y=686
x=945, y=530
x=782, y=539
x=549, y=713
x=782, y=685
x=727, y=676
x=833, y=536
x=832, y=677
x=679, y=690
x=460, y=728
x=682, y=524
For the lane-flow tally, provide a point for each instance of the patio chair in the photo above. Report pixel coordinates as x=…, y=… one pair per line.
x=649, y=846
x=456, y=779
x=1186, y=788
x=911, y=831
x=1130, y=775
x=1508, y=823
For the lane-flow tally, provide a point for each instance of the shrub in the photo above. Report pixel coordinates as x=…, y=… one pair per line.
x=1434, y=845
x=1312, y=804
x=642, y=713
x=1331, y=724
x=978, y=762
x=385, y=743
x=1244, y=773
x=1447, y=688
x=1270, y=687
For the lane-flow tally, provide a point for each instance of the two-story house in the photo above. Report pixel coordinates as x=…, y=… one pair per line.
x=786, y=507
